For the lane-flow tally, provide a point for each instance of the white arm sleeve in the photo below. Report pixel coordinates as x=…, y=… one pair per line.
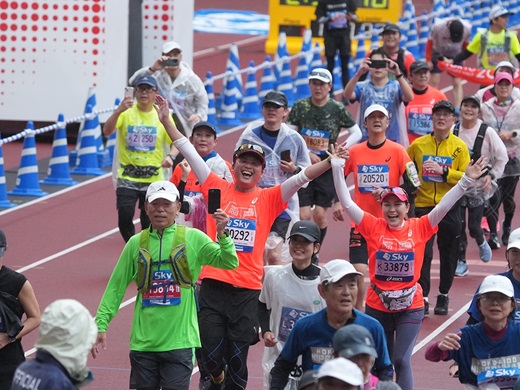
x=199, y=166
x=293, y=184
x=452, y=196
x=354, y=135
x=353, y=210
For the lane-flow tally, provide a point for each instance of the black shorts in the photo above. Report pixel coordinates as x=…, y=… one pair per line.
x=319, y=192
x=280, y=226
x=358, y=251
x=228, y=312
x=435, y=58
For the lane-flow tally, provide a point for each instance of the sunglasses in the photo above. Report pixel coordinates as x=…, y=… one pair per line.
x=398, y=191
x=252, y=147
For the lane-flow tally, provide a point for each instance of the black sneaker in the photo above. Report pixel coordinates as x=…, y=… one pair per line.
x=441, y=308
x=506, y=231
x=426, y=308
x=215, y=386
x=493, y=241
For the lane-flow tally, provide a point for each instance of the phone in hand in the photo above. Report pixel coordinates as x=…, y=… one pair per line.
x=213, y=200
x=377, y=64
x=129, y=92
x=170, y=62
x=285, y=155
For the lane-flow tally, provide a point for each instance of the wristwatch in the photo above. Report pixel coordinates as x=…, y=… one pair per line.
x=226, y=234
x=13, y=339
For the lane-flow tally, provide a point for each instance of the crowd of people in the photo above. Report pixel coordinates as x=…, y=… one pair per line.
x=228, y=251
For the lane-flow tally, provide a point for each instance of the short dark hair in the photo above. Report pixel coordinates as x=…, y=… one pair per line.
x=379, y=51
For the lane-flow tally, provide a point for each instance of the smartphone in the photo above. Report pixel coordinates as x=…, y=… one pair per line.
x=378, y=64
x=170, y=62
x=129, y=92
x=285, y=155
x=213, y=200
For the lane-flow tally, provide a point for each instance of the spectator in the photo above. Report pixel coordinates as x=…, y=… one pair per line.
x=182, y=88
x=391, y=46
x=375, y=164
x=319, y=120
x=289, y=293
x=276, y=138
x=494, y=44
x=311, y=336
x=448, y=37
x=485, y=351
x=419, y=110
x=486, y=93
x=339, y=373
x=16, y=299
x=381, y=90
x=336, y=17
x=165, y=290
x=230, y=298
x=141, y=145
x=395, y=246
x=503, y=114
x=67, y=334
x=482, y=140
x=441, y=159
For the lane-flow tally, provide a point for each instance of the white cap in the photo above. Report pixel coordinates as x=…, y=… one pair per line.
x=498, y=10
x=374, y=108
x=506, y=64
x=342, y=369
x=497, y=283
x=514, y=239
x=169, y=46
x=334, y=270
x=321, y=74
x=162, y=189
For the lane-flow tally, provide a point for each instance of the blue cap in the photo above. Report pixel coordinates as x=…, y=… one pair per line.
x=148, y=80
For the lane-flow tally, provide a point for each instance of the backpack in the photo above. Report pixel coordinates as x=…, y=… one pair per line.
x=479, y=140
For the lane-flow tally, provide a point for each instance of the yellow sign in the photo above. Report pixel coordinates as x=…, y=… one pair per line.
x=295, y=16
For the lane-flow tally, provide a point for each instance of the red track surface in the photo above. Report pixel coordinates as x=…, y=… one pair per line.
x=67, y=245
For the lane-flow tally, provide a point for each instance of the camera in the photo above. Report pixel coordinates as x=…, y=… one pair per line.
x=171, y=62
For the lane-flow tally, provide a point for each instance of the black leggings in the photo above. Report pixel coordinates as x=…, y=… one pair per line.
x=474, y=226
x=126, y=200
x=504, y=195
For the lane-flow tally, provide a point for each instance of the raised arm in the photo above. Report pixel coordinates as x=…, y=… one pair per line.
x=355, y=213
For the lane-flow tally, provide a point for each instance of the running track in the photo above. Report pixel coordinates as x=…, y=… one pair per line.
x=67, y=245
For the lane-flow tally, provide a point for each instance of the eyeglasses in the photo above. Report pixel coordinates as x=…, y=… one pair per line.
x=498, y=298
x=445, y=114
x=145, y=89
x=320, y=74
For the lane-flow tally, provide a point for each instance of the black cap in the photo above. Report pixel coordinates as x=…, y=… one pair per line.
x=419, y=65
x=443, y=104
x=251, y=149
x=456, y=30
x=307, y=229
x=308, y=378
x=276, y=97
x=471, y=98
x=352, y=340
x=205, y=124
x=390, y=27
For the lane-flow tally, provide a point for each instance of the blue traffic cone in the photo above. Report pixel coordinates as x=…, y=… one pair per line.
x=4, y=201
x=336, y=74
x=58, y=172
x=424, y=32
x=112, y=138
x=476, y=21
x=87, y=161
x=307, y=44
x=281, y=52
x=301, y=82
x=27, y=180
x=229, y=110
x=485, y=7
x=233, y=63
x=212, y=110
x=360, y=54
x=403, y=25
x=91, y=122
x=267, y=80
x=251, y=102
x=413, y=40
x=286, y=83
x=316, y=59
x=374, y=41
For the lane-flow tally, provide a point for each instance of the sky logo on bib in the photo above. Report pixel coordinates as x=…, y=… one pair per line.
x=395, y=256
x=239, y=223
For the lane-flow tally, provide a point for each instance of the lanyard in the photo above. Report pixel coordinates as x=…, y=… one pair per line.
x=500, y=123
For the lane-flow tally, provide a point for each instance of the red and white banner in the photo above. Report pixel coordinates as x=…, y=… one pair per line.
x=473, y=75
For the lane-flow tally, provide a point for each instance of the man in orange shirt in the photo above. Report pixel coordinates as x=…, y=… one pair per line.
x=419, y=110
x=228, y=300
x=376, y=164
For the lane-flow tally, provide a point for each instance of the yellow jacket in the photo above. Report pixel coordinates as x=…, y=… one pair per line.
x=451, y=153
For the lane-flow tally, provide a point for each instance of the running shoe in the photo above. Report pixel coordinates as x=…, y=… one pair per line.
x=441, y=308
x=493, y=241
x=484, y=251
x=462, y=268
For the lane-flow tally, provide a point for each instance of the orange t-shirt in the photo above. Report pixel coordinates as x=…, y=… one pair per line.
x=418, y=112
x=192, y=187
x=251, y=215
x=375, y=167
x=395, y=256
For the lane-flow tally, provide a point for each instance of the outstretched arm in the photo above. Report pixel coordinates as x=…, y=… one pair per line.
x=353, y=210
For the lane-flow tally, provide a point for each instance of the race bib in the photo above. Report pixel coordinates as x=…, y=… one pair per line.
x=317, y=140
x=495, y=55
x=242, y=232
x=443, y=161
x=498, y=378
x=163, y=292
x=338, y=20
x=419, y=123
x=141, y=138
x=287, y=321
x=372, y=176
x=395, y=266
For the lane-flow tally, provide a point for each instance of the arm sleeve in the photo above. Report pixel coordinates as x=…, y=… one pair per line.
x=429, y=49
x=354, y=135
x=292, y=185
x=280, y=373
x=353, y=210
x=452, y=196
x=264, y=315
x=199, y=167
x=435, y=354
x=463, y=55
